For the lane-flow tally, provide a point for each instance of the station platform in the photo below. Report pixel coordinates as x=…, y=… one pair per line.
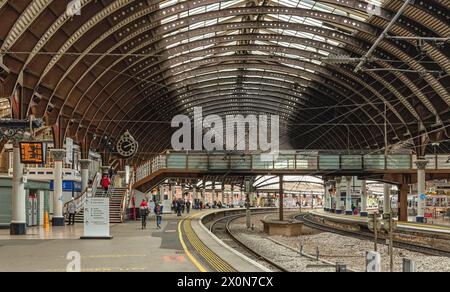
x=410, y=226
x=209, y=253
x=182, y=245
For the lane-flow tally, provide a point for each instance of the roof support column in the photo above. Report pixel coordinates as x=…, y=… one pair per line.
x=403, y=201
x=348, y=197
x=332, y=196
x=58, y=199
x=281, y=198
x=325, y=200
x=233, y=197
x=422, y=198
x=223, y=193
x=386, y=200
x=364, y=194
x=18, y=219
x=338, y=208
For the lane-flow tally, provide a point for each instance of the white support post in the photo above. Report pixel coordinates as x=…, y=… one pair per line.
x=364, y=212
x=41, y=208
x=386, y=200
x=338, y=195
x=325, y=200
x=58, y=160
x=348, y=197
x=18, y=220
x=421, y=189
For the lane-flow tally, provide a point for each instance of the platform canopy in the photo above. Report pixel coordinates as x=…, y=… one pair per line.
x=118, y=65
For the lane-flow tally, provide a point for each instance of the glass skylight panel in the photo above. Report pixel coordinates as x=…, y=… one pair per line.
x=169, y=19
x=290, y=32
x=173, y=45
x=261, y=53
x=313, y=22
x=227, y=54
x=319, y=38
x=168, y=3
x=297, y=46
x=228, y=4
x=185, y=58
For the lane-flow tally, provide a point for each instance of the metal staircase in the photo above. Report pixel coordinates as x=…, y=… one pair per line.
x=116, y=195
x=116, y=198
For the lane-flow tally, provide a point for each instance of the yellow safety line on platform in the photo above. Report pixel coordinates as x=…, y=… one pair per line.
x=188, y=253
x=211, y=258
x=215, y=261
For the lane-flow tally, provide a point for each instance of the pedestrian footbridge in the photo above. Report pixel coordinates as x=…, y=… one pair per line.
x=197, y=164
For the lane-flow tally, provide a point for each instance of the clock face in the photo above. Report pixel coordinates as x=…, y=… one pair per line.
x=126, y=146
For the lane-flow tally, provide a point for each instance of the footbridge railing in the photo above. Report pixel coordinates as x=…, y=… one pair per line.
x=314, y=161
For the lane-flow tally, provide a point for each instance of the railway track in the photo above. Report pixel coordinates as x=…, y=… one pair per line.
x=221, y=228
x=305, y=218
x=287, y=256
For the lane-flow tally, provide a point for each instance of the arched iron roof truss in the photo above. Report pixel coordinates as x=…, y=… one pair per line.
x=130, y=65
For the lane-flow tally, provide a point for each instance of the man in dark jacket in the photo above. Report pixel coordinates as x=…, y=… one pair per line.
x=158, y=211
x=179, y=207
x=188, y=206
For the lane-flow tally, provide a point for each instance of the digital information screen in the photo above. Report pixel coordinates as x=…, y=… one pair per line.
x=32, y=153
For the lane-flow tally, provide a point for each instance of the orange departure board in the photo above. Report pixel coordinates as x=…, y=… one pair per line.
x=32, y=153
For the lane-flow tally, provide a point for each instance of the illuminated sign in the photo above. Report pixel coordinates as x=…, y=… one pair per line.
x=32, y=153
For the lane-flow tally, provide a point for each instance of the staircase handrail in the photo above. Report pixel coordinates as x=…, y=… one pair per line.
x=126, y=197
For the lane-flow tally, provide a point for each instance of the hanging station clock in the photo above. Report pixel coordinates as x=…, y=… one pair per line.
x=127, y=147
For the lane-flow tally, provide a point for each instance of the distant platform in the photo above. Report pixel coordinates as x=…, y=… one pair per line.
x=410, y=226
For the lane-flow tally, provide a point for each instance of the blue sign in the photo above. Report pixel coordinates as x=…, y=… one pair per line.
x=68, y=186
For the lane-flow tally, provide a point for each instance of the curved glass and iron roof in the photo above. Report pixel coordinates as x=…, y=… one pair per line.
x=133, y=65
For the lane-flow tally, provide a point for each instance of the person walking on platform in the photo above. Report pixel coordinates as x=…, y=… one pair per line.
x=174, y=205
x=105, y=183
x=188, y=206
x=158, y=211
x=72, y=210
x=144, y=213
x=179, y=207
x=183, y=206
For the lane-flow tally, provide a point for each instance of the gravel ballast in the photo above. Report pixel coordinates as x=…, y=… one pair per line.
x=334, y=248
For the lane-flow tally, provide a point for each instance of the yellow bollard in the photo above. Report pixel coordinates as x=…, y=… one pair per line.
x=46, y=223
